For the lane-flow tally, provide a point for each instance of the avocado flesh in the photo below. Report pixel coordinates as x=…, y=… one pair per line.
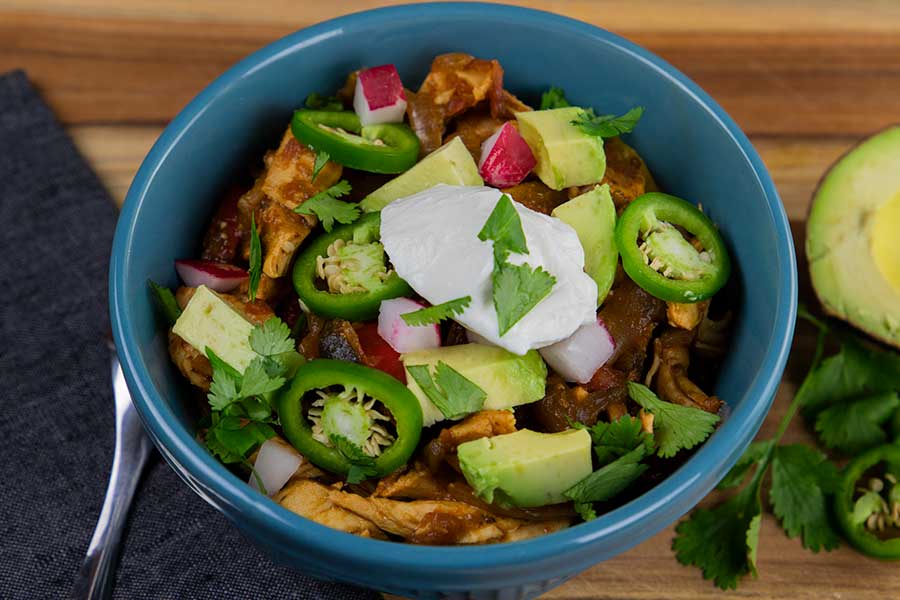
x=853, y=237
x=507, y=379
x=526, y=468
x=566, y=156
x=593, y=217
x=451, y=164
x=209, y=322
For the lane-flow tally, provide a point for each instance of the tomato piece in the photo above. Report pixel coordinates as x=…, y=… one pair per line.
x=379, y=353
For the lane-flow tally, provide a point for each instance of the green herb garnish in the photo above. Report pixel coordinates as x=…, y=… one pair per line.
x=554, y=98
x=362, y=466
x=607, y=126
x=675, y=427
x=317, y=101
x=436, y=313
x=255, y=260
x=165, y=301
x=450, y=391
x=326, y=206
x=321, y=160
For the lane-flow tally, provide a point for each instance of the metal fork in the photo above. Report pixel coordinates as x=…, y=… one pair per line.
x=95, y=578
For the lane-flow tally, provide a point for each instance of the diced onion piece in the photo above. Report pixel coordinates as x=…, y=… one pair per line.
x=216, y=276
x=402, y=337
x=506, y=158
x=578, y=357
x=379, y=96
x=276, y=462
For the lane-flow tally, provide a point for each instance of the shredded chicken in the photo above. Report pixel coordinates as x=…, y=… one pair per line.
x=439, y=522
x=686, y=316
x=313, y=500
x=416, y=483
x=288, y=177
x=672, y=382
x=486, y=423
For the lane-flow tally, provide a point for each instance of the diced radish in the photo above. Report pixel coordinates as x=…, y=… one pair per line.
x=216, y=276
x=506, y=158
x=402, y=337
x=579, y=356
x=379, y=96
x=276, y=462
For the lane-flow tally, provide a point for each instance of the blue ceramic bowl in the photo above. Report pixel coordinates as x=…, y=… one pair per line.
x=692, y=147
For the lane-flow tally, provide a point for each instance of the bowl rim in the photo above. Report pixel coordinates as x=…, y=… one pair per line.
x=203, y=472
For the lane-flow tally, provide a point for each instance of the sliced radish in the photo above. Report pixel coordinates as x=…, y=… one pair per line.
x=216, y=276
x=379, y=96
x=579, y=356
x=506, y=158
x=402, y=337
x=276, y=462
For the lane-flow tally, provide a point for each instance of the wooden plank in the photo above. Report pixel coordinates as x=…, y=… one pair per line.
x=108, y=70
x=617, y=15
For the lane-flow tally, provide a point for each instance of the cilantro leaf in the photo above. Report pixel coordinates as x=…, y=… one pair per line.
x=856, y=370
x=756, y=453
x=232, y=438
x=586, y=511
x=436, y=313
x=450, y=391
x=226, y=382
x=853, y=426
x=675, y=427
x=723, y=541
x=609, y=481
x=255, y=260
x=615, y=439
x=317, y=101
x=516, y=290
x=554, y=98
x=271, y=338
x=504, y=229
x=257, y=380
x=322, y=158
x=326, y=206
x=802, y=479
x=608, y=126
x=362, y=466
x=165, y=301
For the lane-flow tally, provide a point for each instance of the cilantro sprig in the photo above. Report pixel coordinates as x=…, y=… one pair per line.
x=607, y=126
x=362, y=466
x=437, y=313
x=554, y=98
x=848, y=396
x=322, y=159
x=516, y=288
x=449, y=390
x=165, y=302
x=675, y=427
x=255, y=260
x=326, y=206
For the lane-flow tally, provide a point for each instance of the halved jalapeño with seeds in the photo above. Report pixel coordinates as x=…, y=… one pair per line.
x=344, y=274
x=350, y=419
x=671, y=249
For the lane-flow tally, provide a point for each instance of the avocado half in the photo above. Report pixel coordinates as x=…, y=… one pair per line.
x=853, y=237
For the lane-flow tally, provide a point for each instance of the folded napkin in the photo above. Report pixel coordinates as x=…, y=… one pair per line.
x=56, y=424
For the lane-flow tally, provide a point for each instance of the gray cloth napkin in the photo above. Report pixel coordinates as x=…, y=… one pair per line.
x=56, y=423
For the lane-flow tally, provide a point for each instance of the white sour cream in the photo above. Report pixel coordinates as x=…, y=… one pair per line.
x=432, y=241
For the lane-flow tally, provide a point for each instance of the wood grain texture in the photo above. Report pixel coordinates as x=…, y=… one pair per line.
x=804, y=79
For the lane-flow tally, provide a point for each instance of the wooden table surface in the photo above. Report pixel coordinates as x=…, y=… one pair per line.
x=803, y=79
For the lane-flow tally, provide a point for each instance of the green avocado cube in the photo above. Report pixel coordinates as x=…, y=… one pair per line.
x=593, y=217
x=209, y=322
x=526, y=468
x=566, y=156
x=451, y=164
x=507, y=379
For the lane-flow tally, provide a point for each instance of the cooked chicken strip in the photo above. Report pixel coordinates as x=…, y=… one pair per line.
x=313, y=500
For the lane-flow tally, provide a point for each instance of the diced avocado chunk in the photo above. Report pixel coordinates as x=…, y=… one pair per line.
x=566, y=156
x=593, y=217
x=508, y=379
x=451, y=164
x=209, y=322
x=852, y=239
x=526, y=468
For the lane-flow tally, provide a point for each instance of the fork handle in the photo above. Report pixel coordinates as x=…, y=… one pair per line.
x=95, y=578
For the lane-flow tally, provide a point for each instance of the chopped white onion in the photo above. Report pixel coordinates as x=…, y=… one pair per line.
x=276, y=462
x=578, y=357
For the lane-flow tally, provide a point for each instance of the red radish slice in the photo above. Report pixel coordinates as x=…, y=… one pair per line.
x=276, y=462
x=216, y=276
x=402, y=337
x=579, y=356
x=506, y=158
x=379, y=96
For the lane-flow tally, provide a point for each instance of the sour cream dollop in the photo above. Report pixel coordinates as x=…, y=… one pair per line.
x=432, y=241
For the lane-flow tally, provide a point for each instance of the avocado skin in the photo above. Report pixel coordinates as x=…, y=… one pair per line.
x=844, y=274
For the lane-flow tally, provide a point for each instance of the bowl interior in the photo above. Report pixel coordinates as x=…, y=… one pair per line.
x=690, y=145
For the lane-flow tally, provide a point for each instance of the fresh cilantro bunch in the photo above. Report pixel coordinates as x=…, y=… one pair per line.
x=241, y=416
x=326, y=206
x=516, y=288
x=849, y=397
x=621, y=445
